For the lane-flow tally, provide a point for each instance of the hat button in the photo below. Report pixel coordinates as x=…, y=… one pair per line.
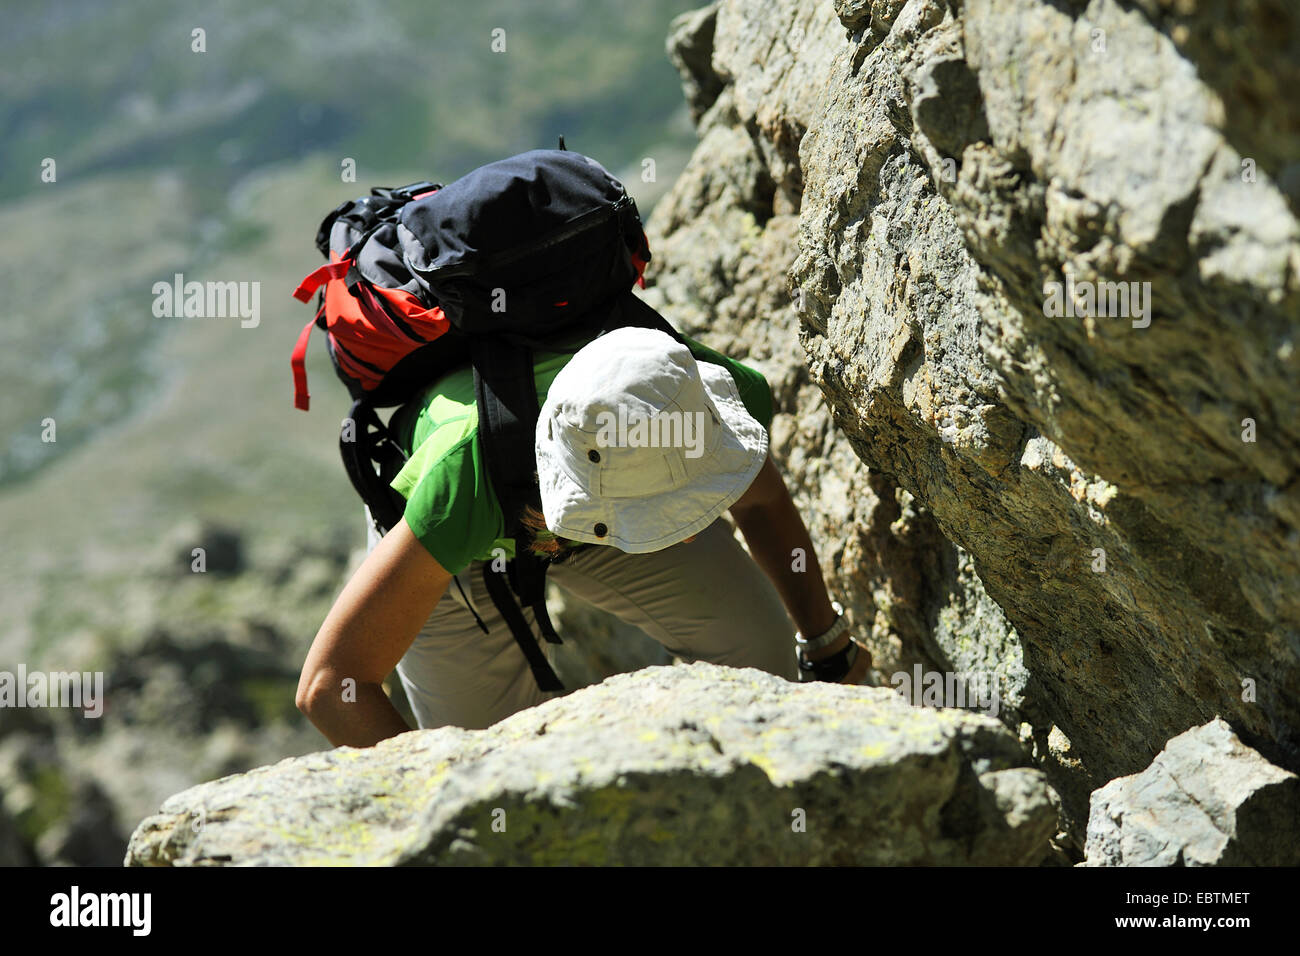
x=600, y=529
x=593, y=455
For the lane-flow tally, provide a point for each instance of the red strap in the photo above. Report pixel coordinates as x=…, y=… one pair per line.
x=318, y=277
x=640, y=265
x=301, y=398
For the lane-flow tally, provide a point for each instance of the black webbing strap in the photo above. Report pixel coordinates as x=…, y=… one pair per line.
x=368, y=455
x=544, y=624
x=499, y=591
x=527, y=573
x=505, y=388
x=631, y=310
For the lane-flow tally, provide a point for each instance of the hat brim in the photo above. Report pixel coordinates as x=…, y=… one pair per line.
x=655, y=522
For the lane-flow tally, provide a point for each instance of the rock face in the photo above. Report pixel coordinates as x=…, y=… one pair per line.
x=670, y=765
x=1097, y=501
x=1206, y=800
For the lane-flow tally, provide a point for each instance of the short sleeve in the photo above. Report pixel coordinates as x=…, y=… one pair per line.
x=755, y=392
x=450, y=507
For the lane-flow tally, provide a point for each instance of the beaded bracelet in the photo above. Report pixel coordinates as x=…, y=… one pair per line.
x=825, y=640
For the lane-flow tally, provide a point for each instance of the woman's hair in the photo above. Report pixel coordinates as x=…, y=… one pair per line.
x=545, y=542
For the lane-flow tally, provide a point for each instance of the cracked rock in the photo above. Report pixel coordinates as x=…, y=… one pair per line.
x=1206, y=800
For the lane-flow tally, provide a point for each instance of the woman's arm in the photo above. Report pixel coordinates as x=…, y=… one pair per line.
x=371, y=625
x=772, y=527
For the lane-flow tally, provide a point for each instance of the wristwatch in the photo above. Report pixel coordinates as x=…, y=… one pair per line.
x=825, y=640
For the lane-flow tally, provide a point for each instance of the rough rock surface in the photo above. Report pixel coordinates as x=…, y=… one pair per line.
x=1206, y=800
x=684, y=764
x=882, y=191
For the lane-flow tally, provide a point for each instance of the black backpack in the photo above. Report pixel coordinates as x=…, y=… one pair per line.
x=516, y=256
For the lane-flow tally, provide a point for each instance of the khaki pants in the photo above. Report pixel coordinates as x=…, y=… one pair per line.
x=703, y=601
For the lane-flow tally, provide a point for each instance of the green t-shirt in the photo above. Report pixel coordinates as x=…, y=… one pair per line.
x=450, y=505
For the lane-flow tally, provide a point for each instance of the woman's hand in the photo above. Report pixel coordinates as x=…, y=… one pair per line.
x=371, y=625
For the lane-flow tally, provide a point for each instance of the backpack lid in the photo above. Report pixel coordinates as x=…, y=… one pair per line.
x=519, y=203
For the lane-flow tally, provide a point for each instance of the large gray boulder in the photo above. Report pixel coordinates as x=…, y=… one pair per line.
x=1100, y=510
x=1206, y=800
x=689, y=764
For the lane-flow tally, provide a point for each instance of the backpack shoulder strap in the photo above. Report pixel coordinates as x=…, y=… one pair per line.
x=631, y=310
x=505, y=388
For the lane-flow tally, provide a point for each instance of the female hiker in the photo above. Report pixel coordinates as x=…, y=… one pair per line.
x=641, y=444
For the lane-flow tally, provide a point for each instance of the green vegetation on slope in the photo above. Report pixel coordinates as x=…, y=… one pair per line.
x=219, y=165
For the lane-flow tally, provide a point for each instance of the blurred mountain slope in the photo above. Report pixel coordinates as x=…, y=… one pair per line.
x=176, y=433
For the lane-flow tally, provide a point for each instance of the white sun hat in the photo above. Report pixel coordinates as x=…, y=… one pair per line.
x=639, y=446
